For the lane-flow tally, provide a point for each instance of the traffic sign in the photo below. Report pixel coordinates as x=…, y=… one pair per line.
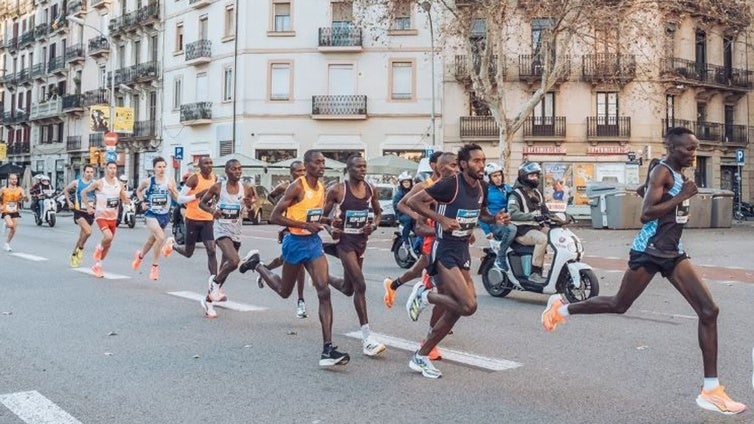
x=740, y=156
x=178, y=155
x=111, y=139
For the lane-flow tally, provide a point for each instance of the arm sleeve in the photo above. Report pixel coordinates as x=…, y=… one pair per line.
x=184, y=197
x=444, y=190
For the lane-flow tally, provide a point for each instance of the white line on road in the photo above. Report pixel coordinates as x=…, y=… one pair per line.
x=447, y=354
x=28, y=256
x=108, y=275
x=234, y=306
x=646, y=311
x=33, y=408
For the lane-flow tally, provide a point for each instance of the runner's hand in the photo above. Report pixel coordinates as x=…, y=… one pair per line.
x=449, y=224
x=689, y=189
x=314, y=227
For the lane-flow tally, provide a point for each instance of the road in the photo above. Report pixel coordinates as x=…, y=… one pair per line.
x=123, y=349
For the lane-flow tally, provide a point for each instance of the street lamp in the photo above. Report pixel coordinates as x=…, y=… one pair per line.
x=427, y=6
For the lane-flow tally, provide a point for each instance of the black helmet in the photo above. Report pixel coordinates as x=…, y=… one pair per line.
x=528, y=168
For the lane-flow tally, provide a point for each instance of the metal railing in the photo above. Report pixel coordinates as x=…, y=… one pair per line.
x=196, y=111
x=608, y=127
x=545, y=126
x=18, y=117
x=709, y=131
x=96, y=97
x=73, y=101
x=736, y=134
x=479, y=126
x=199, y=49
x=708, y=74
x=146, y=70
x=73, y=143
x=532, y=65
x=26, y=38
x=76, y=6
x=38, y=70
x=673, y=123
x=342, y=36
x=97, y=140
x=23, y=76
x=19, y=148
x=74, y=52
x=98, y=44
x=41, y=30
x=606, y=66
x=56, y=64
x=146, y=129
x=339, y=105
x=462, y=66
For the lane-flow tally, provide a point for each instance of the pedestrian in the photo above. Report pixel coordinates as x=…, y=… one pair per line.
x=81, y=215
x=11, y=197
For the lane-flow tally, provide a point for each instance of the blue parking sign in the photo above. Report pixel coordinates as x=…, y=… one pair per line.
x=740, y=156
x=178, y=155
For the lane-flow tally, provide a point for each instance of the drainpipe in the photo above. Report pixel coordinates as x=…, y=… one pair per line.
x=235, y=71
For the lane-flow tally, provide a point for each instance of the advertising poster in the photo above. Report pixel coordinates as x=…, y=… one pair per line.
x=99, y=118
x=611, y=173
x=558, y=182
x=583, y=173
x=124, y=120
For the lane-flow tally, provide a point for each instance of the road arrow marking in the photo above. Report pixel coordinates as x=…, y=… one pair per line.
x=447, y=354
x=108, y=275
x=234, y=306
x=33, y=408
x=34, y=258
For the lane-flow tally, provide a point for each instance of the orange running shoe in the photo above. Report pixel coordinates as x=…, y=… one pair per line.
x=97, y=270
x=434, y=354
x=717, y=400
x=428, y=283
x=167, y=248
x=137, y=260
x=97, y=255
x=389, y=297
x=154, y=273
x=551, y=317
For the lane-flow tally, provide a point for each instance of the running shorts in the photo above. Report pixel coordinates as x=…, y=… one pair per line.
x=83, y=214
x=301, y=249
x=162, y=218
x=654, y=264
x=451, y=254
x=197, y=231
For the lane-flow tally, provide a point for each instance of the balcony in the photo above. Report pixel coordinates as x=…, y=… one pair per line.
x=608, y=128
x=479, y=128
x=702, y=74
x=198, y=4
x=7, y=117
x=709, y=131
x=531, y=67
x=57, y=65
x=76, y=7
x=74, y=54
x=133, y=21
x=146, y=72
x=737, y=135
x=73, y=103
x=339, y=107
x=19, y=117
x=199, y=52
x=196, y=113
x=41, y=31
x=99, y=4
x=124, y=76
x=97, y=140
x=545, y=128
x=462, y=68
x=673, y=123
x=26, y=39
x=59, y=23
x=24, y=76
x=19, y=148
x=96, y=97
x=38, y=72
x=146, y=129
x=11, y=44
x=608, y=68
x=73, y=143
x=340, y=39
x=51, y=109
x=98, y=46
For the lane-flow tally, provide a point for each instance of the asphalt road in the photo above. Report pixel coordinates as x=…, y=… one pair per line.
x=125, y=350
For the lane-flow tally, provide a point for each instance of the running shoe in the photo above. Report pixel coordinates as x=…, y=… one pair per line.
x=301, y=309
x=717, y=400
x=209, y=309
x=416, y=301
x=80, y=255
x=423, y=365
x=249, y=262
x=154, y=273
x=551, y=317
x=214, y=293
x=167, y=248
x=260, y=283
x=372, y=347
x=137, y=260
x=97, y=270
x=97, y=255
x=389, y=297
x=330, y=356
x=75, y=259
x=7, y=248
x=428, y=281
x=434, y=354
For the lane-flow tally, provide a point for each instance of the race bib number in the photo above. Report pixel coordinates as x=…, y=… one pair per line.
x=467, y=219
x=355, y=221
x=682, y=212
x=158, y=200
x=11, y=207
x=313, y=215
x=112, y=202
x=229, y=213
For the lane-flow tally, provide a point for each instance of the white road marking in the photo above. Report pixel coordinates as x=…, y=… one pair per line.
x=108, y=275
x=33, y=408
x=28, y=256
x=234, y=306
x=447, y=354
x=646, y=311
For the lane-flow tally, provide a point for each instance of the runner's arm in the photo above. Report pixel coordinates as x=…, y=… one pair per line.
x=184, y=196
x=124, y=196
x=140, y=189
x=376, y=208
x=67, y=191
x=403, y=205
x=332, y=198
x=209, y=198
x=661, y=180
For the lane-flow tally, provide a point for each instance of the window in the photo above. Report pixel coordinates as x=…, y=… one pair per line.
x=226, y=147
x=670, y=110
x=179, y=37
x=478, y=28
x=102, y=76
x=701, y=112
x=544, y=111
x=281, y=16
x=177, y=92
x=606, y=40
x=402, y=80
x=402, y=20
x=607, y=108
x=280, y=81
x=227, y=84
x=342, y=14
x=230, y=21
x=274, y=155
x=203, y=28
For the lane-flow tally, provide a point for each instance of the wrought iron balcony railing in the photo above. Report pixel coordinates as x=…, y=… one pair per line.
x=56, y=64
x=146, y=70
x=533, y=66
x=73, y=101
x=339, y=105
x=73, y=143
x=341, y=36
x=74, y=53
x=38, y=70
x=19, y=148
x=98, y=45
x=479, y=127
x=673, y=123
x=146, y=129
x=199, y=111
x=737, y=134
x=96, y=97
x=198, y=50
x=608, y=127
x=462, y=67
x=707, y=74
x=97, y=140
x=709, y=131
x=545, y=126
x=608, y=67
x=26, y=38
x=41, y=30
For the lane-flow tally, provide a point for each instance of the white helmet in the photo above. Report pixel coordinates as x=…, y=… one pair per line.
x=490, y=169
x=404, y=176
x=44, y=178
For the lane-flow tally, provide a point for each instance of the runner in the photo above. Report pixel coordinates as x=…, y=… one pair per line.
x=199, y=223
x=300, y=210
x=658, y=248
x=81, y=217
x=226, y=201
x=351, y=229
x=154, y=194
x=11, y=196
x=107, y=191
x=460, y=203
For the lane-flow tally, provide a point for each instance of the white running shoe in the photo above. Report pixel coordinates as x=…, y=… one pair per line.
x=301, y=309
x=7, y=248
x=372, y=347
x=423, y=365
x=215, y=294
x=416, y=301
x=209, y=309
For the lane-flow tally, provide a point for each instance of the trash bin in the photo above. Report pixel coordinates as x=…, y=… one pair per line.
x=722, y=209
x=623, y=210
x=597, y=203
x=700, y=209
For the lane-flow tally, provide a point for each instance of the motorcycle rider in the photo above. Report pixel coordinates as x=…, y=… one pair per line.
x=38, y=191
x=497, y=200
x=405, y=184
x=526, y=205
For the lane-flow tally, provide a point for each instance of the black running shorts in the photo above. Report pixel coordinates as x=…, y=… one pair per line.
x=654, y=264
x=197, y=231
x=451, y=254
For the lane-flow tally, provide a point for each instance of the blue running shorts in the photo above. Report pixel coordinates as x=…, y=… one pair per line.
x=301, y=249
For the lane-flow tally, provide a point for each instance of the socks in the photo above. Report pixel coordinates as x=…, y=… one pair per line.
x=395, y=284
x=710, y=383
x=365, y=331
x=563, y=310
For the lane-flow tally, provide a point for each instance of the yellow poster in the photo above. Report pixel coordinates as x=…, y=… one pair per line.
x=3, y=151
x=99, y=118
x=124, y=120
x=583, y=173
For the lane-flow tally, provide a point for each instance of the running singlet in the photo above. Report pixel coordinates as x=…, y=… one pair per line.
x=158, y=197
x=107, y=200
x=11, y=197
x=428, y=240
x=309, y=209
x=230, y=207
x=192, y=208
x=90, y=197
x=354, y=212
x=662, y=236
x=460, y=201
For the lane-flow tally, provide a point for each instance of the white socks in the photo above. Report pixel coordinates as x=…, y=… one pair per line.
x=710, y=383
x=365, y=331
x=563, y=310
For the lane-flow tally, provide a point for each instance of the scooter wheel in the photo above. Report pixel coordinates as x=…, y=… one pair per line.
x=51, y=221
x=494, y=280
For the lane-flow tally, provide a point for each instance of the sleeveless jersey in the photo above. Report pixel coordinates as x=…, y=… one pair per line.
x=230, y=206
x=428, y=240
x=309, y=209
x=79, y=205
x=158, y=197
x=11, y=198
x=107, y=200
x=465, y=208
x=662, y=236
x=192, y=208
x=354, y=212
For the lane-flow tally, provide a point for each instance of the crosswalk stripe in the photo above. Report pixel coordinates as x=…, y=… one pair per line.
x=33, y=408
x=108, y=275
x=28, y=256
x=234, y=306
x=447, y=354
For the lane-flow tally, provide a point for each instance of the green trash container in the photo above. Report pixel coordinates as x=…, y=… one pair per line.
x=722, y=209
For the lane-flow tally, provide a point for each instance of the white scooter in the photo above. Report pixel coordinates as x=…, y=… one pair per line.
x=567, y=274
x=46, y=208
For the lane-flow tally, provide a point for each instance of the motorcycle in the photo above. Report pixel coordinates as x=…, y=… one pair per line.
x=567, y=274
x=46, y=208
x=61, y=204
x=743, y=212
x=406, y=255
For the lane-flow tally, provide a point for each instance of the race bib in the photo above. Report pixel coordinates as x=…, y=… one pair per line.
x=682, y=212
x=229, y=214
x=467, y=219
x=355, y=221
x=11, y=207
x=111, y=202
x=313, y=215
